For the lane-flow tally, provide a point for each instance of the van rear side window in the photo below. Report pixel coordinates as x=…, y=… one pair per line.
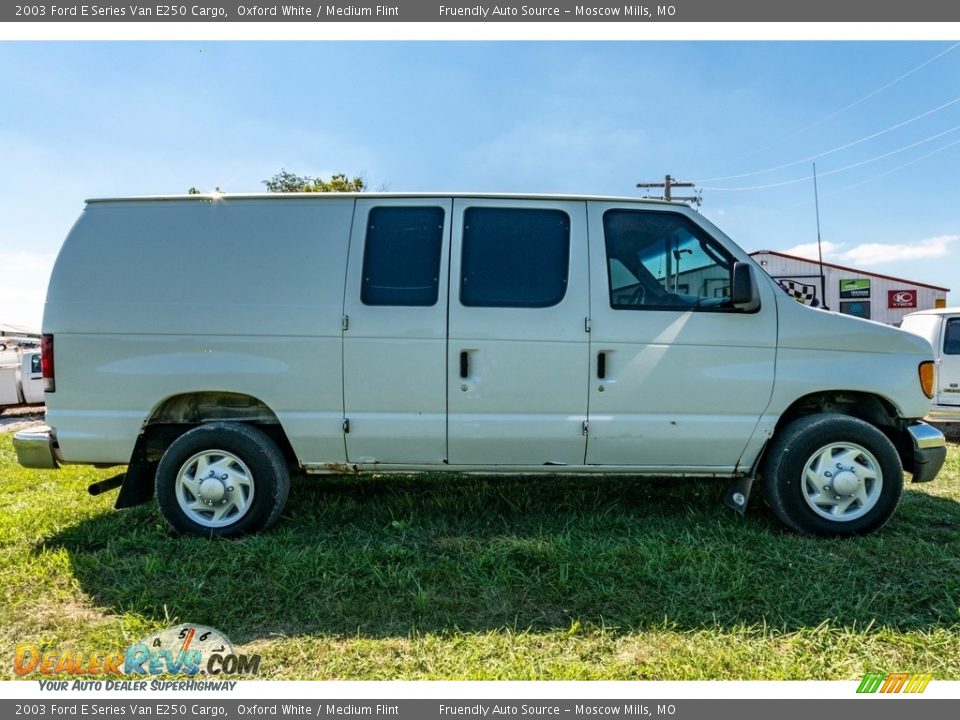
x=514, y=257
x=401, y=256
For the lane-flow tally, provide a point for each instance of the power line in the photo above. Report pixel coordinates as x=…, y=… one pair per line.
x=835, y=171
x=878, y=90
x=837, y=149
x=842, y=110
x=898, y=167
x=773, y=211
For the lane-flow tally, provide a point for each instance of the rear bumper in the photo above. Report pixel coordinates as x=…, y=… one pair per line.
x=929, y=451
x=37, y=448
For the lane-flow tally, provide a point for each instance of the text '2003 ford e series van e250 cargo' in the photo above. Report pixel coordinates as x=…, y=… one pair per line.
x=215, y=343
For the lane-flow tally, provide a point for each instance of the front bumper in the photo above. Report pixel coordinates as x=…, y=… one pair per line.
x=929, y=451
x=37, y=448
x=944, y=413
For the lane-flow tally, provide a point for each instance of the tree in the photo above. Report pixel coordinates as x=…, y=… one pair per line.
x=285, y=181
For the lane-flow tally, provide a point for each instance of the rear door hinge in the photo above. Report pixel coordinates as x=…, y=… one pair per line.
x=346, y=426
x=586, y=427
x=586, y=324
x=345, y=322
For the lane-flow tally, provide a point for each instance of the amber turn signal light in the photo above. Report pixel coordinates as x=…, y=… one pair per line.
x=926, y=378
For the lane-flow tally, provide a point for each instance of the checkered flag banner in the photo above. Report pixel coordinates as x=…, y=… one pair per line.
x=799, y=291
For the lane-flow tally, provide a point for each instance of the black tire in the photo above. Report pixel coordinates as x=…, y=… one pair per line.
x=814, y=451
x=248, y=481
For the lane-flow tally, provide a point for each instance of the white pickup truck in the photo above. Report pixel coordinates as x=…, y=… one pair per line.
x=21, y=381
x=941, y=328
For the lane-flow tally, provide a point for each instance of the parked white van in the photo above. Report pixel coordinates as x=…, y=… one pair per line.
x=941, y=328
x=214, y=343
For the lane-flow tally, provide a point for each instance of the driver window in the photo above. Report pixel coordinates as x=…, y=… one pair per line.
x=661, y=260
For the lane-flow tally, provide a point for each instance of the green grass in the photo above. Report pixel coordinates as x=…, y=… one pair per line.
x=506, y=578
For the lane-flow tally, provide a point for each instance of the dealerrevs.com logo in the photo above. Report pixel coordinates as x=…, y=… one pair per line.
x=184, y=650
x=894, y=683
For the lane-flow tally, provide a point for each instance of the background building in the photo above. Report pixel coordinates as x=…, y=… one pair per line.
x=7, y=330
x=883, y=298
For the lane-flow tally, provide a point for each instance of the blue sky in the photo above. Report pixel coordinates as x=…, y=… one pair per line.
x=92, y=119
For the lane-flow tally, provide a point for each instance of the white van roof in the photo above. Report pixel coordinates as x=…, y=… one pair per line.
x=319, y=196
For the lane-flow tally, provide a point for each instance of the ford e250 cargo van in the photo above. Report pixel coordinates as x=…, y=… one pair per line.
x=214, y=343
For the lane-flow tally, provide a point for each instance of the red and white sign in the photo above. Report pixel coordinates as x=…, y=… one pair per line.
x=901, y=298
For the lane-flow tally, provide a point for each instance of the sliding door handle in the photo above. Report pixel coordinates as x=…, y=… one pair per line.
x=464, y=364
x=602, y=365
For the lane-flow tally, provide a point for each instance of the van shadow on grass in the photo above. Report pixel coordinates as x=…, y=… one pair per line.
x=385, y=556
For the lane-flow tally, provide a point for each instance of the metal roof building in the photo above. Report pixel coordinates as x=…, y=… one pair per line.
x=865, y=294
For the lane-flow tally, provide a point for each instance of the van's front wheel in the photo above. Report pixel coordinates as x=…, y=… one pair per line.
x=222, y=480
x=832, y=475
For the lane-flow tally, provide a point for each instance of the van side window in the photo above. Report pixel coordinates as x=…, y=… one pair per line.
x=514, y=257
x=401, y=256
x=951, y=337
x=662, y=261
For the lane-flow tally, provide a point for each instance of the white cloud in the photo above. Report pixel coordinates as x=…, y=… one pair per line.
x=23, y=286
x=878, y=253
x=809, y=250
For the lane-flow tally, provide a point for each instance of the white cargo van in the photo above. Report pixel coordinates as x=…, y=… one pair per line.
x=941, y=328
x=214, y=343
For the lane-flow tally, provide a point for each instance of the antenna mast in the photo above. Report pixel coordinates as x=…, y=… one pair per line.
x=816, y=204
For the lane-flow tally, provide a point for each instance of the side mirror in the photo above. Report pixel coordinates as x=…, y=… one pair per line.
x=744, y=293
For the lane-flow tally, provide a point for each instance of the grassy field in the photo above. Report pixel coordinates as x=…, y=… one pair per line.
x=505, y=578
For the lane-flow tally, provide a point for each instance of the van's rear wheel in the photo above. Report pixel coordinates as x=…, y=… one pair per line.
x=832, y=475
x=222, y=480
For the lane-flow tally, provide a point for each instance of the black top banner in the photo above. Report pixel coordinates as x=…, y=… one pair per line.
x=737, y=11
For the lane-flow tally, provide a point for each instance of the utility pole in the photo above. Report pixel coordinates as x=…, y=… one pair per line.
x=668, y=184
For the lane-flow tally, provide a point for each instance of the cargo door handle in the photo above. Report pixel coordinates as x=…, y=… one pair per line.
x=464, y=364
x=602, y=365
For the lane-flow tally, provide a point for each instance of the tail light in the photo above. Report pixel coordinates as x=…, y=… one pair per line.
x=927, y=375
x=46, y=363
